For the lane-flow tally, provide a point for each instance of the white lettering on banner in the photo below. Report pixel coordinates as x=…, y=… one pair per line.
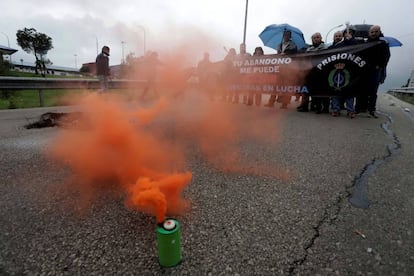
x=252, y=70
x=342, y=56
x=263, y=61
x=270, y=88
x=291, y=89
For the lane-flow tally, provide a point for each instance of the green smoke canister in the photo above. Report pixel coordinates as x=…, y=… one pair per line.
x=169, y=244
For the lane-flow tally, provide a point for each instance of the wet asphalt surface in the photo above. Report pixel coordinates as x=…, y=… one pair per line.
x=239, y=224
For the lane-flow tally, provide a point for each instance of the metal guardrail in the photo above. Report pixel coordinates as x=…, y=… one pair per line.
x=40, y=84
x=405, y=94
x=20, y=83
x=403, y=90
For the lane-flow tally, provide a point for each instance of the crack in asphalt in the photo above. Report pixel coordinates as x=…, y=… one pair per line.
x=358, y=198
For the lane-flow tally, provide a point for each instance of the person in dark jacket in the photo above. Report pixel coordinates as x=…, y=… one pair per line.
x=346, y=38
x=102, y=68
x=378, y=57
x=319, y=104
x=256, y=96
x=286, y=47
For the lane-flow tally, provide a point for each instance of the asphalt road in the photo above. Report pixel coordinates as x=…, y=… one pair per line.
x=239, y=223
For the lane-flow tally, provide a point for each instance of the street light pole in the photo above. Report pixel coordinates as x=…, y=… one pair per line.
x=76, y=62
x=123, y=57
x=245, y=23
x=8, y=44
x=145, y=43
x=97, y=51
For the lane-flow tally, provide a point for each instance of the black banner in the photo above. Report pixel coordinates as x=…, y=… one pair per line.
x=337, y=71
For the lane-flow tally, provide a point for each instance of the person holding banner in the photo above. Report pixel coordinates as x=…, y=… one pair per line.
x=379, y=56
x=286, y=47
x=319, y=104
x=340, y=40
x=338, y=37
x=256, y=97
x=228, y=74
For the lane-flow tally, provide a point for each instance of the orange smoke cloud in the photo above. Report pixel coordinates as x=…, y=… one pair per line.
x=111, y=142
x=140, y=148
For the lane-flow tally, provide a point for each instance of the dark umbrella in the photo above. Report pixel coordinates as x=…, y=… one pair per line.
x=272, y=35
x=361, y=30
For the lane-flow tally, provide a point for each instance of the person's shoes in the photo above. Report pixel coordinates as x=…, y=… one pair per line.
x=268, y=105
x=302, y=109
x=351, y=115
x=335, y=114
x=373, y=115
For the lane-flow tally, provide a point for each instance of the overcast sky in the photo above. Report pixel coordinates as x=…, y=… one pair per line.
x=191, y=27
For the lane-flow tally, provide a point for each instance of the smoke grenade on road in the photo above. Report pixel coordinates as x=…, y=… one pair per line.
x=169, y=244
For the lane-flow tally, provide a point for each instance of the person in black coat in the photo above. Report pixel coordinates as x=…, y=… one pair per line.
x=102, y=68
x=378, y=57
x=342, y=39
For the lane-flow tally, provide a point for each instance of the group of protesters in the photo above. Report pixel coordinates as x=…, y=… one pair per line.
x=362, y=101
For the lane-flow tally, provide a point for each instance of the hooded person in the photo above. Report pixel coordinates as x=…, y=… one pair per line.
x=102, y=68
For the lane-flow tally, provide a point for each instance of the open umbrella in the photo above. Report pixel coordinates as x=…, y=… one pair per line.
x=392, y=41
x=272, y=35
x=361, y=30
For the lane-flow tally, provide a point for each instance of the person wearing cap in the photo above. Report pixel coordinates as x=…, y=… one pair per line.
x=102, y=68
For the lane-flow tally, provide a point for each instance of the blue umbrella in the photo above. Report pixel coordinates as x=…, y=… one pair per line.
x=392, y=41
x=272, y=35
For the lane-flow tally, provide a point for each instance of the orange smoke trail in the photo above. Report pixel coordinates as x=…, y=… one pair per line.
x=112, y=143
x=154, y=196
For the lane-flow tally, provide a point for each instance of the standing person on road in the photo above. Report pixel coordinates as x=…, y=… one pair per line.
x=152, y=67
x=379, y=55
x=204, y=73
x=228, y=75
x=236, y=94
x=340, y=40
x=102, y=68
x=255, y=96
x=319, y=104
x=286, y=47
